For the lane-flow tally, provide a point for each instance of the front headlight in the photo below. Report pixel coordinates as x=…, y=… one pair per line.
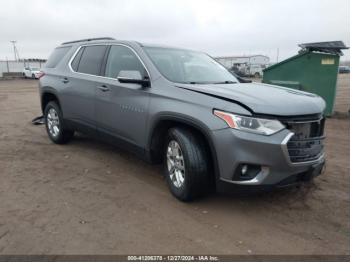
x=250, y=124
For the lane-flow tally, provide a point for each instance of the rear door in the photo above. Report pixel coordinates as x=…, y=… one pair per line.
x=121, y=108
x=79, y=100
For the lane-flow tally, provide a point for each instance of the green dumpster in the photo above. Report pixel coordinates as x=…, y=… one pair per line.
x=314, y=69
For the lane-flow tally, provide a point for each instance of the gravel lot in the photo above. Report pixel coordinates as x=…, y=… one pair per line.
x=87, y=197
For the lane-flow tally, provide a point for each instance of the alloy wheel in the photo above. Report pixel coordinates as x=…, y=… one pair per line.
x=175, y=164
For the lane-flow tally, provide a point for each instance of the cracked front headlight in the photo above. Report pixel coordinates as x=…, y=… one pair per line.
x=250, y=124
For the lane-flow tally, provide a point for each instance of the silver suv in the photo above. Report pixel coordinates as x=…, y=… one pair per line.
x=184, y=109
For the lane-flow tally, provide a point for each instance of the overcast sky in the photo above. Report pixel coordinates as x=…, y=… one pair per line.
x=217, y=27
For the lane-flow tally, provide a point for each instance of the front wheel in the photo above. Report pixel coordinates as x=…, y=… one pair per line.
x=54, y=124
x=186, y=164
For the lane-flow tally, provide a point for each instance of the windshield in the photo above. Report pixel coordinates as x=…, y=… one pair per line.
x=185, y=66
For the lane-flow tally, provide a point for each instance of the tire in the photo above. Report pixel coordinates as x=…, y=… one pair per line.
x=190, y=178
x=53, y=117
x=33, y=76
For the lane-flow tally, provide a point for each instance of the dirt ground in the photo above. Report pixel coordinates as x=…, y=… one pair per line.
x=91, y=198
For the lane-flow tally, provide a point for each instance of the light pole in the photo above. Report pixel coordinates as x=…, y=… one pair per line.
x=15, y=51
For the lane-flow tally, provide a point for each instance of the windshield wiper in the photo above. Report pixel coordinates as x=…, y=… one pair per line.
x=197, y=83
x=225, y=82
x=211, y=83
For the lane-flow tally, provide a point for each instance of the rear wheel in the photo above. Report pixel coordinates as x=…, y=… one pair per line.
x=54, y=124
x=186, y=164
x=33, y=76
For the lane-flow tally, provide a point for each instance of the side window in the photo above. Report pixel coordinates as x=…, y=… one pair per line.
x=57, y=56
x=91, y=59
x=121, y=58
x=76, y=60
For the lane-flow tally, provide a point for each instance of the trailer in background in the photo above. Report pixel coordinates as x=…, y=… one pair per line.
x=11, y=67
x=245, y=65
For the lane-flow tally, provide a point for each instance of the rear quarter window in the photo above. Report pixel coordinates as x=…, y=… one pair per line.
x=76, y=60
x=57, y=56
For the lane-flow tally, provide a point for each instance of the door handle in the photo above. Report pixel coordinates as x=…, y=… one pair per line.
x=65, y=80
x=103, y=88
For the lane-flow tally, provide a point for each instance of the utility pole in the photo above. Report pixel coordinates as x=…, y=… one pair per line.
x=7, y=65
x=15, y=51
x=278, y=53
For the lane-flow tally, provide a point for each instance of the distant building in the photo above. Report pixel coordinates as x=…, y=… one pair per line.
x=231, y=61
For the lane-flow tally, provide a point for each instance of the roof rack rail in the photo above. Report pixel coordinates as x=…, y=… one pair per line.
x=89, y=39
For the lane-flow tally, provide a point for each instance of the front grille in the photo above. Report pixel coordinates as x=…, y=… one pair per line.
x=307, y=142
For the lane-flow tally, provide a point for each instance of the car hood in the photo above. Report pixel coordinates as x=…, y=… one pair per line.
x=262, y=98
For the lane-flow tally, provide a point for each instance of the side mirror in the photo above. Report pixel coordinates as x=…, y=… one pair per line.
x=133, y=77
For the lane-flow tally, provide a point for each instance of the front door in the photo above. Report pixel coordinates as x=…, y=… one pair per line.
x=121, y=108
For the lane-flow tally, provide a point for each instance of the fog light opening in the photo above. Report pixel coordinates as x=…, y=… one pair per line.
x=246, y=172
